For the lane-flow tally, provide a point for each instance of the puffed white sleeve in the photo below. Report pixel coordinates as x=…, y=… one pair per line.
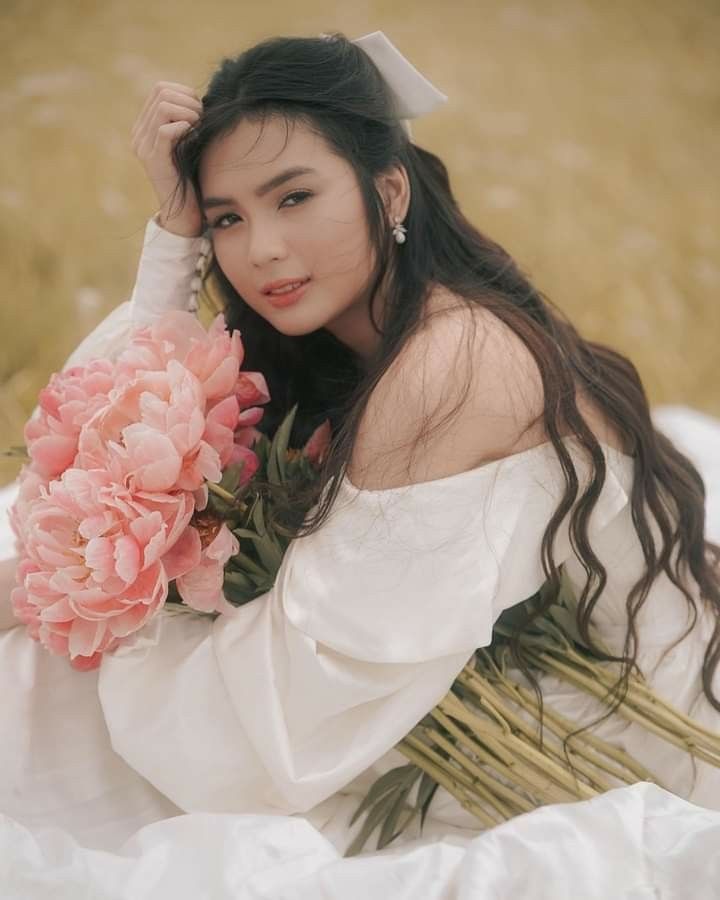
x=275, y=706
x=164, y=282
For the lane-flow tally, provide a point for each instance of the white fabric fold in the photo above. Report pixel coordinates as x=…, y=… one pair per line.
x=413, y=573
x=633, y=843
x=283, y=702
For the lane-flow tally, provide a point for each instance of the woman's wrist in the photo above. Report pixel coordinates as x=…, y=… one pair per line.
x=178, y=226
x=165, y=273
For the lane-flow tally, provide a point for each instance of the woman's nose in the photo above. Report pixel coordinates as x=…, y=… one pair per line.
x=266, y=243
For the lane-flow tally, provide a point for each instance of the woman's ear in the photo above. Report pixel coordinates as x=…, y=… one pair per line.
x=394, y=188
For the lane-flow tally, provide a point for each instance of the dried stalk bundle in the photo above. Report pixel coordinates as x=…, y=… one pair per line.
x=482, y=742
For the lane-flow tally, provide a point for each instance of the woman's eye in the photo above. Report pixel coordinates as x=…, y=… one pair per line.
x=297, y=194
x=218, y=222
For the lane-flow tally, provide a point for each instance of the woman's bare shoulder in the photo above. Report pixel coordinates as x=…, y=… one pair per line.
x=464, y=390
x=505, y=392
x=508, y=356
x=460, y=393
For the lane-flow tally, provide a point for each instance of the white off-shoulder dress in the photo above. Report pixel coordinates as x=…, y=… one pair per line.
x=254, y=737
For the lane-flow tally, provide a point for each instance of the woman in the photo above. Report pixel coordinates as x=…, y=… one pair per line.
x=478, y=444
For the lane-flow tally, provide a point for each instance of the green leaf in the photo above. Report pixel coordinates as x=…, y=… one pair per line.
x=238, y=580
x=261, y=448
x=547, y=626
x=525, y=637
x=231, y=477
x=278, y=449
x=388, y=831
x=262, y=583
x=381, y=786
x=258, y=517
x=240, y=588
x=236, y=595
x=273, y=470
x=374, y=818
x=268, y=551
x=426, y=792
x=567, y=622
x=245, y=533
x=247, y=565
x=258, y=576
x=566, y=593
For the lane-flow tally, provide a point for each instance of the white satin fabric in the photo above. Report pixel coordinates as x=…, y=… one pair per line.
x=635, y=843
x=245, y=744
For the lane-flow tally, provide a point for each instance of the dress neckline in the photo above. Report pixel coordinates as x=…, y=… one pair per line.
x=610, y=451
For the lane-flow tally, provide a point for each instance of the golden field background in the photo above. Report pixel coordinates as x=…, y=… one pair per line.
x=584, y=137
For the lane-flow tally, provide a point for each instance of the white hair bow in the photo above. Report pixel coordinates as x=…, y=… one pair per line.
x=411, y=91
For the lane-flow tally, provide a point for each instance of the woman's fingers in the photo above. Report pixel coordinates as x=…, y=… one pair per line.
x=165, y=114
x=167, y=134
x=168, y=112
x=161, y=86
x=166, y=106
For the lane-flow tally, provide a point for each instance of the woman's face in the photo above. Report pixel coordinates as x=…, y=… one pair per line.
x=267, y=226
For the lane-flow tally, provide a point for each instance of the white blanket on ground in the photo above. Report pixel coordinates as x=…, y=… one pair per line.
x=633, y=843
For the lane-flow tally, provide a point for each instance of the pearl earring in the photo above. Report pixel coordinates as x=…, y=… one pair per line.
x=399, y=232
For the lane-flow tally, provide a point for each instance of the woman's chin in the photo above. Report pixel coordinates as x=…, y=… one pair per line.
x=296, y=325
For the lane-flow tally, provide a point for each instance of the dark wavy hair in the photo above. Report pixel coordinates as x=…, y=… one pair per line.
x=331, y=86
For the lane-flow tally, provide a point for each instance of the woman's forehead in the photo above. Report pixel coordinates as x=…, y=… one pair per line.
x=254, y=150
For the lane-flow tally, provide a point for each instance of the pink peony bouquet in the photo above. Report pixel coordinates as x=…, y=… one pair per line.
x=115, y=514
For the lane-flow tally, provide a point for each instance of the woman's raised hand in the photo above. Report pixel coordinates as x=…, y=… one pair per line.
x=169, y=111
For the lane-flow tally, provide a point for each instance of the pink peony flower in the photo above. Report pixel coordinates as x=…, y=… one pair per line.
x=242, y=456
x=251, y=389
x=197, y=563
x=214, y=356
x=246, y=434
x=112, y=506
x=93, y=572
x=233, y=435
x=180, y=336
x=30, y=481
x=70, y=399
x=220, y=424
x=155, y=425
x=180, y=407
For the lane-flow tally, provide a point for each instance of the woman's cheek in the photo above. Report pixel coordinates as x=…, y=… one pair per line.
x=225, y=253
x=227, y=260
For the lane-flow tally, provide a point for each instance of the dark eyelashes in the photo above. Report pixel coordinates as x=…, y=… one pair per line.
x=301, y=195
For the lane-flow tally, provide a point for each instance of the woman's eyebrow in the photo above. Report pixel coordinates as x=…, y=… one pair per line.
x=265, y=188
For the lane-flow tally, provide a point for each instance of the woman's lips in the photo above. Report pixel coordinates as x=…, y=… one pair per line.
x=287, y=299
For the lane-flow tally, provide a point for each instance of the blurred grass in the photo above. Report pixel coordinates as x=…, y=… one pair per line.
x=582, y=136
